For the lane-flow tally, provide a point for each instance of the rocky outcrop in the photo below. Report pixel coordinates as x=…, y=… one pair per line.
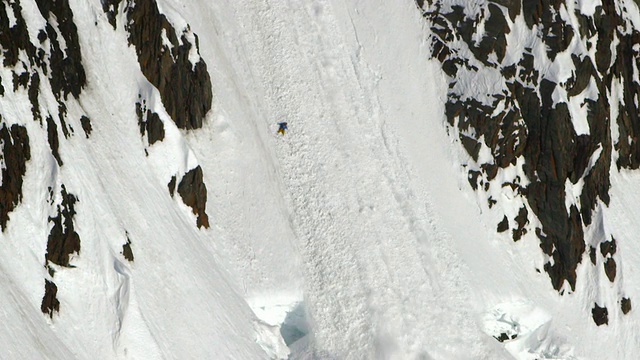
x=172, y=185
x=50, y=302
x=127, y=252
x=110, y=7
x=86, y=125
x=67, y=74
x=193, y=192
x=15, y=154
x=625, y=305
x=525, y=114
x=63, y=239
x=149, y=123
x=52, y=137
x=600, y=315
x=165, y=57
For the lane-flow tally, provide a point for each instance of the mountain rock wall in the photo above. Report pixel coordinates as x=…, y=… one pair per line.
x=533, y=99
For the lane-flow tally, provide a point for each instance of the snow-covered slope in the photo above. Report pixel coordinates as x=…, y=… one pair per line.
x=150, y=209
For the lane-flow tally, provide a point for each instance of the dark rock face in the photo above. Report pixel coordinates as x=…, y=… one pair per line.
x=67, y=72
x=610, y=269
x=503, y=337
x=15, y=38
x=194, y=194
x=86, y=125
x=185, y=88
x=110, y=7
x=63, y=239
x=600, y=315
x=127, y=252
x=172, y=185
x=149, y=123
x=625, y=305
x=50, y=303
x=608, y=248
x=503, y=225
x=15, y=154
x=524, y=114
x=52, y=136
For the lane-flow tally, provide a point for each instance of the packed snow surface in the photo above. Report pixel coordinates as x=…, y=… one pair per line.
x=353, y=236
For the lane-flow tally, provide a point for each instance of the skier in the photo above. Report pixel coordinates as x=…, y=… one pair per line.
x=282, y=128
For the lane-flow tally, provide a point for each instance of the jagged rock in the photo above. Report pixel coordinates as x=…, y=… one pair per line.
x=34, y=90
x=194, y=194
x=110, y=7
x=557, y=35
x=605, y=21
x=185, y=88
x=584, y=72
x=513, y=6
x=494, y=39
x=600, y=315
x=522, y=220
x=52, y=137
x=149, y=123
x=86, y=125
x=610, y=269
x=127, y=252
x=527, y=73
x=14, y=38
x=471, y=145
x=625, y=305
x=154, y=127
x=529, y=123
x=597, y=181
x=63, y=239
x=62, y=113
x=67, y=71
x=532, y=12
x=503, y=225
x=21, y=80
x=50, y=303
x=15, y=153
x=172, y=185
x=608, y=247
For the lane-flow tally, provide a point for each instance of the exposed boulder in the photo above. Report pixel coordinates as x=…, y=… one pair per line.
x=610, y=269
x=149, y=123
x=67, y=72
x=127, y=252
x=52, y=137
x=15, y=154
x=172, y=185
x=86, y=125
x=185, y=88
x=193, y=192
x=63, y=239
x=625, y=305
x=503, y=225
x=600, y=315
x=50, y=302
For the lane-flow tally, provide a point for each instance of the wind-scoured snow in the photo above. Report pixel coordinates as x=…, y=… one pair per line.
x=353, y=236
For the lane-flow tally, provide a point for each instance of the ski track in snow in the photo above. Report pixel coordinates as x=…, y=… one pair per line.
x=368, y=291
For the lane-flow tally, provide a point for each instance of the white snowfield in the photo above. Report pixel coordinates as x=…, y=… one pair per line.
x=354, y=236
